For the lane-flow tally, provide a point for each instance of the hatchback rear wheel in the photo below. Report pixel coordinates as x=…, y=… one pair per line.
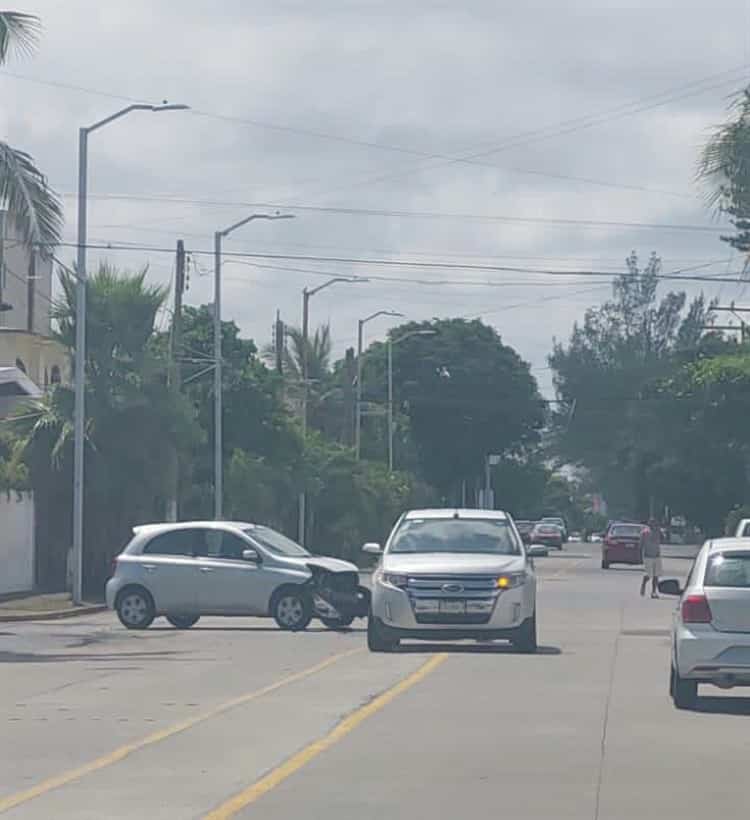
x=135, y=608
x=183, y=621
x=683, y=690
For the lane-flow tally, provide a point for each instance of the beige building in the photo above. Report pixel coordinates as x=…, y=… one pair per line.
x=25, y=300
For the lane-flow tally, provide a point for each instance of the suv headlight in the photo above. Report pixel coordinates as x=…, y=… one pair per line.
x=394, y=579
x=511, y=580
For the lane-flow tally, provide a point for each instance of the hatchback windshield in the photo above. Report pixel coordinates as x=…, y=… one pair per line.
x=275, y=541
x=493, y=536
x=728, y=570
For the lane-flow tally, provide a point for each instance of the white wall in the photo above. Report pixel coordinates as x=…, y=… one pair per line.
x=16, y=542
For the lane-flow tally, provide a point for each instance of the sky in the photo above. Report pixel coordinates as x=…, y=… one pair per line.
x=510, y=136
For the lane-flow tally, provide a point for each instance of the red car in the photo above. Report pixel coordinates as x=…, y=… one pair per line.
x=623, y=544
x=548, y=534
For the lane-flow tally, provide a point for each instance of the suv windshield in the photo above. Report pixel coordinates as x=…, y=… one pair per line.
x=275, y=541
x=492, y=536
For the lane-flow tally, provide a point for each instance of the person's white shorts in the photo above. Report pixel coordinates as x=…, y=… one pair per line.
x=652, y=567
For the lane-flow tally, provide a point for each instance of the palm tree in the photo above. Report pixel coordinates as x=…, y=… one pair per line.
x=724, y=166
x=34, y=208
x=318, y=354
x=135, y=421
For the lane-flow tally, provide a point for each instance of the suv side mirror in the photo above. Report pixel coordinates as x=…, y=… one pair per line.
x=372, y=548
x=251, y=555
x=670, y=587
x=537, y=551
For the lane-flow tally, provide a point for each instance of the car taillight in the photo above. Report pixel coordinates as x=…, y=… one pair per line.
x=113, y=567
x=695, y=610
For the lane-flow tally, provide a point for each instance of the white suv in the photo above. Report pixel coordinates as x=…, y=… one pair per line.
x=711, y=626
x=199, y=568
x=453, y=574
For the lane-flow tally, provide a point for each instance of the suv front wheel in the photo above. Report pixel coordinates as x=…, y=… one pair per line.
x=378, y=637
x=525, y=638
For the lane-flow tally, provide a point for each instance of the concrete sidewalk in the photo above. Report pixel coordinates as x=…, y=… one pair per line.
x=43, y=607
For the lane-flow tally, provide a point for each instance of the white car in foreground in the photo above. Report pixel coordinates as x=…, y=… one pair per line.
x=711, y=627
x=450, y=575
x=186, y=570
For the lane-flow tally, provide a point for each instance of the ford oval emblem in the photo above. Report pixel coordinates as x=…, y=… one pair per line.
x=453, y=587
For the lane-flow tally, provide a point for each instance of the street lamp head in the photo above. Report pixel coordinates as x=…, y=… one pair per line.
x=165, y=106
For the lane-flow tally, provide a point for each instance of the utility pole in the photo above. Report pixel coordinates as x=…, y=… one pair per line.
x=175, y=344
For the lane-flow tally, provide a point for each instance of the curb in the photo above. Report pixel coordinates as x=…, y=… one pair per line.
x=53, y=615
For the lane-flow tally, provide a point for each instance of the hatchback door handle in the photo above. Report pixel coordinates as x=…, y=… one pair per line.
x=206, y=569
x=149, y=567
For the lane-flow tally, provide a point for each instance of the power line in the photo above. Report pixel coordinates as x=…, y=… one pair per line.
x=404, y=214
x=415, y=264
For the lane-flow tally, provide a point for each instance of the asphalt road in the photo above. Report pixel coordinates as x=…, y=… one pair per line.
x=237, y=719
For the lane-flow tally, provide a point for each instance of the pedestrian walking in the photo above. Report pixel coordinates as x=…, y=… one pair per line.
x=651, y=546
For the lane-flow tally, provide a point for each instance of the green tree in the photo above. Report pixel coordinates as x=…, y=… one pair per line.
x=34, y=208
x=464, y=393
x=631, y=341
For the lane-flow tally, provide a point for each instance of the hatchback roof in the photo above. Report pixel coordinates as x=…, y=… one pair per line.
x=153, y=529
x=722, y=544
x=452, y=512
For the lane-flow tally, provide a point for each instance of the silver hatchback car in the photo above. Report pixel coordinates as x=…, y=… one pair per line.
x=453, y=574
x=186, y=570
x=711, y=625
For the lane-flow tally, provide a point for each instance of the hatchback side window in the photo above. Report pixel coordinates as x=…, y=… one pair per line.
x=175, y=542
x=221, y=544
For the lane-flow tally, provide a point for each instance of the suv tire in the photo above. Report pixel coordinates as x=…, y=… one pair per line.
x=378, y=638
x=525, y=638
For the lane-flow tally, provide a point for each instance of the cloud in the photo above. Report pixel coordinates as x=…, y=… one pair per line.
x=424, y=76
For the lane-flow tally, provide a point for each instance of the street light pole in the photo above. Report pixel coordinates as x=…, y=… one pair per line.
x=218, y=397
x=79, y=421
x=306, y=296
x=391, y=343
x=358, y=411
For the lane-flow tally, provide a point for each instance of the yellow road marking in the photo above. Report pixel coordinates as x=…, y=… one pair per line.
x=317, y=747
x=122, y=752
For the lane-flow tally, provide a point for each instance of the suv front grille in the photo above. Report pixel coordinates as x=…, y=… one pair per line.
x=473, y=591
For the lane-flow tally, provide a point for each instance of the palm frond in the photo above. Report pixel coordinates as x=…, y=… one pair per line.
x=33, y=206
x=19, y=32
